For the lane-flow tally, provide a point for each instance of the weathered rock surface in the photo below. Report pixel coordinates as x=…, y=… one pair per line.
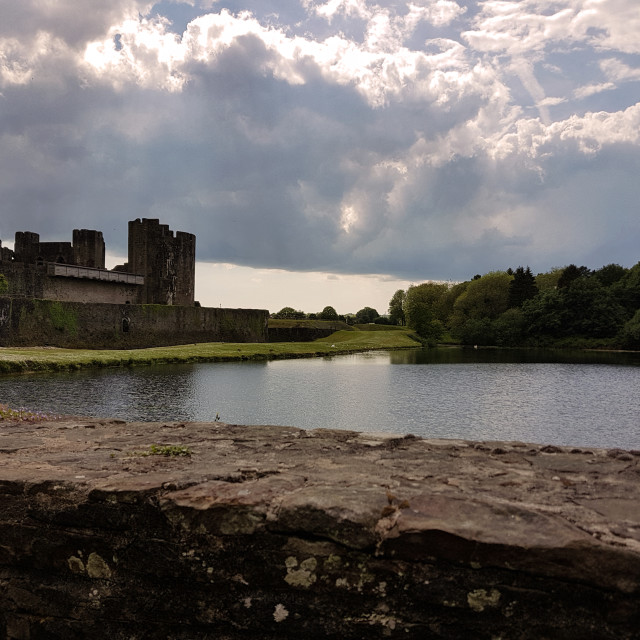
x=276, y=532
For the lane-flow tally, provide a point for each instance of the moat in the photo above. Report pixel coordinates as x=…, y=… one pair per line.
x=574, y=399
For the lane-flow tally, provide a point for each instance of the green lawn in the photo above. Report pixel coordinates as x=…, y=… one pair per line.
x=29, y=359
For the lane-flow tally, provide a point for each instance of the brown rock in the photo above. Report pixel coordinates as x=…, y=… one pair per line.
x=275, y=532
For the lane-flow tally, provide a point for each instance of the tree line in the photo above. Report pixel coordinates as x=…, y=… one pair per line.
x=365, y=315
x=570, y=306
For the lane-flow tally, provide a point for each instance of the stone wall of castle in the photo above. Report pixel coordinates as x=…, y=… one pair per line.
x=76, y=325
x=30, y=281
x=165, y=261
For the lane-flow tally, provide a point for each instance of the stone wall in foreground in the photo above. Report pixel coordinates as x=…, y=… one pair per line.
x=75, y=325
x=276, y=533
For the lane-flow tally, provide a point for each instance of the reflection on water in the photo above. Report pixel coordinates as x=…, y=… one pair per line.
x=457, y=355
x=481, y=394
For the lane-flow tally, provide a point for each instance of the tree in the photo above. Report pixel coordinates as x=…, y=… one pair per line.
x=366, y=315
x=548, y=280
x=572, y=273
x=509, y=329
x=477, y=331
x=609, y=274
x=591, y=310
x=4, y=284
x=425, y=310
x=484, y=299
x=289, y=313
x=522, y=287
x=328, y=313
x=627, y=290
x=630, y=334
x=396, y=307
x=545, y=315
x=583, y=308
x=449, y=300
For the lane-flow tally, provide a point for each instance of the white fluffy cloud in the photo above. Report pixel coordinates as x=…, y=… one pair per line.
x=425, y=139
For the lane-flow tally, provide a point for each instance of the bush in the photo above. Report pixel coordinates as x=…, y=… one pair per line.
x=630, y=333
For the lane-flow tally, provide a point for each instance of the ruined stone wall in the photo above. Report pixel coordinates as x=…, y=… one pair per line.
x=89, y=248
x=26, y=246
x=30, y=281
x=166, y=262
x=24, y=279
x=184, y=249
x=61, y=252
x=27, y=322
x=85, y=290
x=275, y=533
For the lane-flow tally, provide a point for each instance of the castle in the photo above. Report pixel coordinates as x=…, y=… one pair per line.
x=160, y=267
x=61, y=295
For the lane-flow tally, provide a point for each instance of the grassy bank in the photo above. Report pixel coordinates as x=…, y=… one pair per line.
x=29, y=359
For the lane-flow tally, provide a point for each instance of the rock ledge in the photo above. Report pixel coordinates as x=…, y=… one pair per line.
x=276, y=532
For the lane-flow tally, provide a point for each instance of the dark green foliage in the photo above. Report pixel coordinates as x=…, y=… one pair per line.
x=582, y=308
x=627, y=290
x=396, y=307
x=477, y=331
x=523, y=287
x=545, y=314
x=328, y=313
x=609, y=274
x=591, y=309
x=366, y=315
x=572, y=273
x=510, y=328
x=630, y=334
x=425, y=310
x=565, y=306
x=485, y=298
x=4, y=284
x=289, y=313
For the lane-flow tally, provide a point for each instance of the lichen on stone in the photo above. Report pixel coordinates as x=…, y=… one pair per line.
x=97, y=567
x=75, y=564
x=480, y=599
x=304, y=576
x=280, y=613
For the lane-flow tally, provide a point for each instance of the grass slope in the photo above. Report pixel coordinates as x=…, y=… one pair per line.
x=29, y=359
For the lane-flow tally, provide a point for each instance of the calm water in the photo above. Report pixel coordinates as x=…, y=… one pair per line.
x=586, y=400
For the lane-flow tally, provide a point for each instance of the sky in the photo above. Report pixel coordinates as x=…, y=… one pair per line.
x=327, y=152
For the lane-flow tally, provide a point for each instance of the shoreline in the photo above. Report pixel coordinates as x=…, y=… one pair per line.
x=19, y=360
x=47, y=359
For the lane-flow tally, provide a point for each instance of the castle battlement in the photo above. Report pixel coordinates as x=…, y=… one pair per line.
x=160, y=267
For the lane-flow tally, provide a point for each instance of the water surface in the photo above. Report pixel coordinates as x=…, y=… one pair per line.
x=584, y=399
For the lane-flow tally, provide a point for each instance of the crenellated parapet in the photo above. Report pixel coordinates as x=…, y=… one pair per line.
x=167, y=262
x=160, y=270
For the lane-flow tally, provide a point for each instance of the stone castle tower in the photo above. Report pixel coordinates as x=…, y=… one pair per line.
x=161, y=267
x=167, y=263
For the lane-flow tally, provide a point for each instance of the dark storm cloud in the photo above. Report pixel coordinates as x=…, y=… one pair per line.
x=328, y=136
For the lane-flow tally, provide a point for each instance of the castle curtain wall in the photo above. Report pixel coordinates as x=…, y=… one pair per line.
x=26, y=322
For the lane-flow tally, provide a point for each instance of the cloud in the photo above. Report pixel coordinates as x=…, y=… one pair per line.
x=427, y=140
x=592, y=89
